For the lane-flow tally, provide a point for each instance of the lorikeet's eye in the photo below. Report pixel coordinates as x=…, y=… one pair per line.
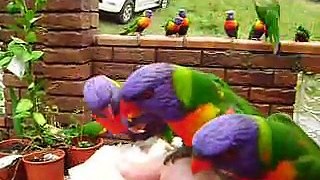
x=147, y=94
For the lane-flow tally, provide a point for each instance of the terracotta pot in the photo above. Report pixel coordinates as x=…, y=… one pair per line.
x=9, y=172
x=77, y=155
x=49, y=170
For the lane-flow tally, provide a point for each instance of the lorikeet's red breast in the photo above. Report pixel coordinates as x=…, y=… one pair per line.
x=231, y=27
x=144, y=22
x=111, y=122
x=284, y=171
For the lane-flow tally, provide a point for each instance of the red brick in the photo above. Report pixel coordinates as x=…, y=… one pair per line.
x=67, y=38
x=263, y=108
x=274, y=95
x=22, y=92
x=11, y=80
x=8, y=106
x=101, y=53
x=66, y=103
x=311, y=63
x=5, y=35
x=242, y=91
x=285, y=78
x=225, y=59
x=184, y=57
x=272, y=61
x=66, y=55
x=216, y=71
x=3, y=5
x=7, y=93
x=250, y=77
x=73, y=88
x=64, y=72
x=2, y=122
x=113, y=70
x=6, y=19
x=95, y=20
x=281, y=108
x=70, y=5
x=70, y=21
x=133, y=55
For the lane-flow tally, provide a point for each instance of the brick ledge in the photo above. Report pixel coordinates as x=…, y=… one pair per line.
x=206, y=43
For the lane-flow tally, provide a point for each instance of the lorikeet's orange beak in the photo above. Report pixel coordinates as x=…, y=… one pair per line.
x=200, y=165
x=129, y=110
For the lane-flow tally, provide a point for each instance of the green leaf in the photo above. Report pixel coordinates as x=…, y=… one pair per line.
x=39, y=118
x=5, y=61
x=35, y=19
x=36, y=55
x=31, y=37
x=92, y=129
x=40, y=4
x=30, y=14
x=18, y=40
x=23, y=115
x=13, y=8
x=24, y=105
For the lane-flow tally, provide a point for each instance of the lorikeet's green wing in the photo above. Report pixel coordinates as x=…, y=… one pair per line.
x=131, y=28
x=195, y=88
x=252, y=31
x=307, y=167
x=268, y=11
x=168, y=135
x=92, y=129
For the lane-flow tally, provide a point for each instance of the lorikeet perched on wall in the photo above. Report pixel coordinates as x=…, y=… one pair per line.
x=258, y=29
x=140, y=24
x=231, y=26
x=253, y=148
x=184, y=27
x=182, y=97
x=302, y=34
x=268, y=12
x=101, y=95
x=172, y=26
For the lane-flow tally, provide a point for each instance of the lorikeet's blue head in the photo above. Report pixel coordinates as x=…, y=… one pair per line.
x=230, y=14
x=178, y=20
x=148, y=13
x=229, y=142
x=150, y=90
x=182, y=13
x=99, y=92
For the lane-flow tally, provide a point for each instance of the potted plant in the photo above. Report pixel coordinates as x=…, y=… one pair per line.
x=83, y=140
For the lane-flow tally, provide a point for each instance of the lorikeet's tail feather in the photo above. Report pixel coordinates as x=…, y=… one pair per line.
x=308, y=167
x=125, y=32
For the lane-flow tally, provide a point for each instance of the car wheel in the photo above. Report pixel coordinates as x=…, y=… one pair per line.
x=164, y=3
x=126, y=12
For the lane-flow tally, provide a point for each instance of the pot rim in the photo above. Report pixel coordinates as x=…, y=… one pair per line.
x=46, y=162
x=28, y=142
x=100, y=143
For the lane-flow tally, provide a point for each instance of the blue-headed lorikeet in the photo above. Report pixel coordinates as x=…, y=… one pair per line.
x=182, y=97
x=231, y=26
x=302, y=34
x=268, y=12
x=184, y=27
x=101, y=95
x=258, y=29
x=172, y=26
x=252, y=148
x=140, y=24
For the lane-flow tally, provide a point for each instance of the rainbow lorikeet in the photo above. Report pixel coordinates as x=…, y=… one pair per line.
x=140, y=24
x=268, y=12
x=101, y=95
x=302, y=34
x=182, y=97
x=253, y=148
x=172, y=26
x=231, y=26
x=258, y=30
x=184, y=27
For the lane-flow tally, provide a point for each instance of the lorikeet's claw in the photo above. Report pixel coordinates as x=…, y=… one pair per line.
x=276, y=49
x=178, y=154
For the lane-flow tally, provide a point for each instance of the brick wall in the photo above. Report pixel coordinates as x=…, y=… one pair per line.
x=67, y=43
x=74, y=52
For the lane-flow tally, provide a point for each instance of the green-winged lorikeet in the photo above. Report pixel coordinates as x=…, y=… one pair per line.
x=257, y=30
x=182, y=97
x=101, y=95
x=231, y=26
x=252, y=148
x=268, y=12
x=140, y=24
x=184, y=27
x=172, y=26
x=302, y=34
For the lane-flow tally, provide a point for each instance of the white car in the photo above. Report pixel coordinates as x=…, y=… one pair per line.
x=125, y=9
